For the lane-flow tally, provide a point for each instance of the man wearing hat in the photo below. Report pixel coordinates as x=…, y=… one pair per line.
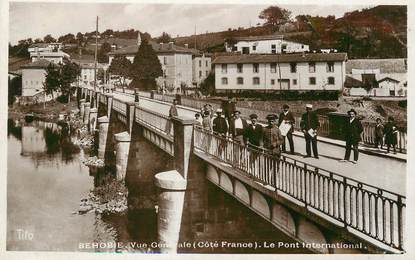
x=254, y=133
x=254, y=136
x=237, y=127
x=288, y=118
x=220, y=127
x=272, y=136
x=309, y=125
x=353, y=129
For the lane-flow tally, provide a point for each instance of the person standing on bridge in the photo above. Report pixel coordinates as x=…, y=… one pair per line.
x=391, y=134
x=220, y=128
x=309, y=125
x=353, y=130
x=172, y=113
x=287, y=117
x=273, y=140
x=254, y=136
x=379, y=132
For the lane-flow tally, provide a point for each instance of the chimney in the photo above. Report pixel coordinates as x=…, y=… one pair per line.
x=186, y=45
x=171, y=45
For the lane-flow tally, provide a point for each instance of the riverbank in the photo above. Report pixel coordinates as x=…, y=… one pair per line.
x=48, y=112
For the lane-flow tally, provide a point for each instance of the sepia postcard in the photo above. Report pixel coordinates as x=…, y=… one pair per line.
x=191, y=129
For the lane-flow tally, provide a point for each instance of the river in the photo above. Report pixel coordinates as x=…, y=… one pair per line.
x=46, y=181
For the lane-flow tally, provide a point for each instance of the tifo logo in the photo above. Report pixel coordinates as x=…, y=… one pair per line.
x=24, y=234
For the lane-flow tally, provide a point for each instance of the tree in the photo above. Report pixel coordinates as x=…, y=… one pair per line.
x=48, y=39
x=207, y=87
x=275, y=16
x=52, y=80
x=68, y=74
x=120, y=66
x=165, y=37
x=15, y=89
x=145, y=68
x=67, y=38
x=103, y=52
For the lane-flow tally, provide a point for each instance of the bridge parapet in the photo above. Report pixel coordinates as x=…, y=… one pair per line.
x=374, y=214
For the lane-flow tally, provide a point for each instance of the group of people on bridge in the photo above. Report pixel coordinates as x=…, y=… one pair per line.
x=271, y=138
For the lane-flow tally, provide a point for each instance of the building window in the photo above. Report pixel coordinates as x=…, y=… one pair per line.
x=84, y=77
x=312, y=80
x=255, y=81
x=207, y=73
x=239, y=68
x=224, y=68
x=207, y=63
x=200, y=63
x=293, y=67
x=224, y=81
x=272, y=81
x=200, y=73
x=273, y=67
x=330, y=66
x=294, y=81
x=165, y=60
x=273, y=48
x=254, y=48
x=330, y=80
x=256, y=67
x=240, y=81
x=311, y=67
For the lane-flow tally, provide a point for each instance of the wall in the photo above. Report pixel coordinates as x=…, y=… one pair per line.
x=282, y=71
x=32, y=81
x=201, y=68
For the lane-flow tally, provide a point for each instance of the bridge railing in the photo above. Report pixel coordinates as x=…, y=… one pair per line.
x=119, y=106
x=372, y=211
x=368, y=135
x=158, y=122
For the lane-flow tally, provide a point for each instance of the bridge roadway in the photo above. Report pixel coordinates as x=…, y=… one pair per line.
x=383, y=172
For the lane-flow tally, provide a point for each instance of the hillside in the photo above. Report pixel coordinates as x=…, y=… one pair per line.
x=378, y=32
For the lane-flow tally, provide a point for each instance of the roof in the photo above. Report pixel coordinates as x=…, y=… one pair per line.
x=261, y=37
x=267, y=58
x=388, y=78
x=90, y=65
x=157, y=47
x=50, y=54
x=39, y=64
x=39, y=45
x=15, y=63
x=351, y=82
x=385, y=65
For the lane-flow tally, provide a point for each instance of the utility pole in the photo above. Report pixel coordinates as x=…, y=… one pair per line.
x=195, y=38
x=96, y=54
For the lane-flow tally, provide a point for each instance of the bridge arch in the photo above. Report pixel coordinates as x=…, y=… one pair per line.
x=241, y=192
x=212, y=174
x=283, y=219
x=225, y=182
x=308, y=232
x=260, y=204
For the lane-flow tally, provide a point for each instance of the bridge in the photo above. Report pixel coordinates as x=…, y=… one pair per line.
x=313, y=201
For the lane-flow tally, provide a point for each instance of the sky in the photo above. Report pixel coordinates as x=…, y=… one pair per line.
x=37, y=19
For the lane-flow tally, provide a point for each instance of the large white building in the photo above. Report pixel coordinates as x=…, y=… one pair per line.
x=269, y=44
x=33, y=78
x=44, y=47
x=52, y=56
x=271, y=72
x=179, y=64
x=377, y=77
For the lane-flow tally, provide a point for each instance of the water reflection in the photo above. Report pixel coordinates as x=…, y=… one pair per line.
x=43, y=141
x=41, y=201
